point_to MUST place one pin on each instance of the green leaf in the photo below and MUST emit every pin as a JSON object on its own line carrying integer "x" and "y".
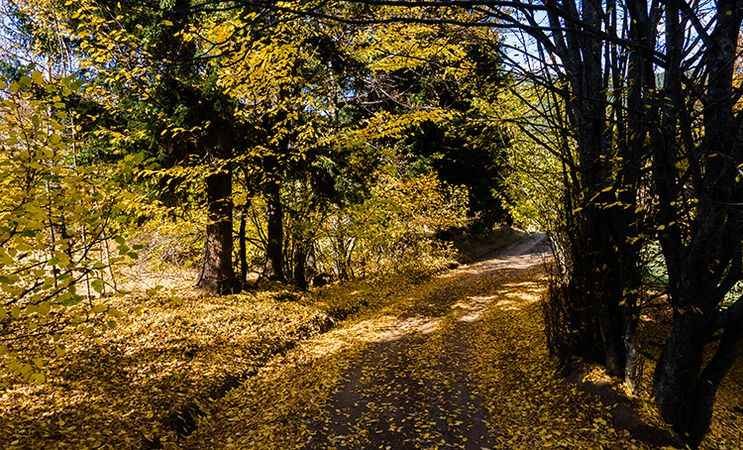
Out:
{"x": 98, "y": 285}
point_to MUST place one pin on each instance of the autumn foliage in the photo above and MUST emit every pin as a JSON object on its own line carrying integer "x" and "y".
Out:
{"x": 220, "y": 220}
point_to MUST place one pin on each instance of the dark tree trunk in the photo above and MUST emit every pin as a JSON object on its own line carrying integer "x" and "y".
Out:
{"x": 676, "y": 376}
{"x": 243, "y": 251}
{"x": 591, "y": 311}
{"x": 217, "y": 274}
{"x": 634, "y": 363}
{"x": 704, "y": 262}
{"x": 712, "y": 375}
{"x": 275, "y": 218}
{"x": 685, "y": 389}
{"x": 593, "y": 303}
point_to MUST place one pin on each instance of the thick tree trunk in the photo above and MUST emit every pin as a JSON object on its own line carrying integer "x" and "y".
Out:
{"x": 678, "y": 368}
{"x": 710, "y": 379}
{"x": 704, "y": 267}
{"x": 275, "y": 218}
{"x": 586, "y": 320}
{"x": 635, "y": 364}
{"x": 217, "y": 274}
{"x": 598, "y": 324}
{"x": 590, "y": 306}
{"x": 684, "y": 388}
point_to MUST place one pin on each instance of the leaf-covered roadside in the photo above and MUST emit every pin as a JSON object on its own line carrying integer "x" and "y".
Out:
{"x": 131, "y": 385}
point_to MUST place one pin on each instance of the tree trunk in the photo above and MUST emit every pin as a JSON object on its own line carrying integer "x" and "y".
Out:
{"x": 703, "y": 267}
{"x": 710, "y": 379}
{"x": 635, "y": 364}
{"x": 217, "y": 274}
{"x": 242, "y": 251}
{"x": 275, "y": 218}
{"x": 592, "y": 306}
{"x": 593, "y": 303}
{"x": 300, "y": 261}
{"x": 676, "y": 376}
{"x": 685, "y": 389}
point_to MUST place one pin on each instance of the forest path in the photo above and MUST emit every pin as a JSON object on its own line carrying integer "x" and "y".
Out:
{"x": 458, "y": 361}
{"x": 413, "y": 388}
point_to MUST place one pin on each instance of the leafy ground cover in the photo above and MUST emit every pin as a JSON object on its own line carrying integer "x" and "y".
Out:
{"x": 455, "y": 361}
{"x": 144, "y": 381}
{"x": 127, "y": 385}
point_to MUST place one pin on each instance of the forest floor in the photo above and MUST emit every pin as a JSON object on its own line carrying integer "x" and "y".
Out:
{"x": 454, "y": 361}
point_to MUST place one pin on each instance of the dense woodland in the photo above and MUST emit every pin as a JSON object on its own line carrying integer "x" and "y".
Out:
{"x": 190, "y": 189}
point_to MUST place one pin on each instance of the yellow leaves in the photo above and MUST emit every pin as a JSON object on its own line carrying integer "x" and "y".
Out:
{"x": 37, "y": 77}
{"x": 150, "y": 364}
{"x": 36, "y": 378}
{"x": 62, "y": 259}
{"x": 395, "y": 375}
{"x": 5, "y": 258}
{"x": 394, "y": 47}
{"x": 52, "y": 218}
{"x": 42, "y": 308}
{"x": 265, "y": 73}
{"x": 665, "y": 226}
{"x": 387, "y": 125}
{"x": 59, "y": 351}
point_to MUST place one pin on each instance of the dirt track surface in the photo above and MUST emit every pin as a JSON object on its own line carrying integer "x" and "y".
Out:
{"x": 458, "y": 361}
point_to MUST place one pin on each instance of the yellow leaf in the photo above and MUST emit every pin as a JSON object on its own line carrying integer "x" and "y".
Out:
{"x": 37, "y": 77}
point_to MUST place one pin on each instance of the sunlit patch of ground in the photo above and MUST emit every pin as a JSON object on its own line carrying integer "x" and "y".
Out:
{"x": 530, "y": 405}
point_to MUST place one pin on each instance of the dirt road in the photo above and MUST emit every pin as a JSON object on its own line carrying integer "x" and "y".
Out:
{"x": 456, "y": 362}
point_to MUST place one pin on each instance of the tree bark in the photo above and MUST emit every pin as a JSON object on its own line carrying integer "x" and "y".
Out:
{"x": 275, "y": 219}
{"x": 593, "y": 300}
{"x": 712, "y": 375}
{"x": 217, "y": 274}
{"x": 242, "y": 250}
{"x": 684, "y": 392}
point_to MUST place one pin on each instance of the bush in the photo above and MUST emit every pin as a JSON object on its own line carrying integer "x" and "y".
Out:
{"x": 394, "y": 229}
